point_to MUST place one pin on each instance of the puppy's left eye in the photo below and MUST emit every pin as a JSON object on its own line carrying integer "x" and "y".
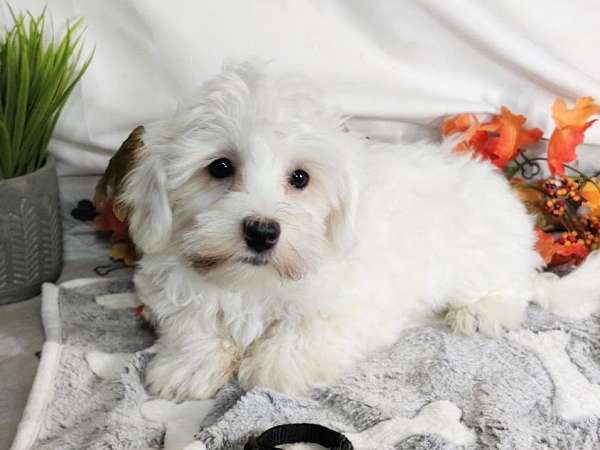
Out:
{"x": 221, "y": 168}
{"x": 299, "y": 179}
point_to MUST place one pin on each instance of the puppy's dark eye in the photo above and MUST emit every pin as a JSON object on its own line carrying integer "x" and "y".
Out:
{"x": 299, "y": 179}
{"x": 221, "y": 168}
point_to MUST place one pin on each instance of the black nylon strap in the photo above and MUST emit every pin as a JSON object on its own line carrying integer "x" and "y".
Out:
{"x": 296, "y": 433}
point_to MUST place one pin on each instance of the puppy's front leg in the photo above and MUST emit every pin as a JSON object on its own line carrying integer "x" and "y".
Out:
{"x": 295, "y": 356}
{"x": 191, "y": 365}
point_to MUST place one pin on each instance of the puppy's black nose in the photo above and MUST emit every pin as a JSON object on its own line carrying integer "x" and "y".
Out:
{"x": 261, "y": 234}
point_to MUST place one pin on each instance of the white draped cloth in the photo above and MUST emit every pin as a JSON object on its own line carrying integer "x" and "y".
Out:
{"x": 394, "y": 66}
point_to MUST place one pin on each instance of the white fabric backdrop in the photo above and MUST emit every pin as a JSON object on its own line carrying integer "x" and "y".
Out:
{"x": 389, "y": 63}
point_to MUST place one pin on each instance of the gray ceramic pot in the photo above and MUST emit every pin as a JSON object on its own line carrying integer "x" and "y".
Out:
{"x": 30, "y": 233}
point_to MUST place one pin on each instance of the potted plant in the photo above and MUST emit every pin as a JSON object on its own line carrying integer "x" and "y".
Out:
{"x": 37, "y": 75}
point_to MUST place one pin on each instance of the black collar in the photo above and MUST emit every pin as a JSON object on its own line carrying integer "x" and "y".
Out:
{"x": 296, "y": 433}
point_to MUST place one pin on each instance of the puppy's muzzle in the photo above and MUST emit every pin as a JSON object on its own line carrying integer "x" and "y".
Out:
{"x": 260, "y": 234}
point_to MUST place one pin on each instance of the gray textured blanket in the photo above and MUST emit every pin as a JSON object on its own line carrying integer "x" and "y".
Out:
{"x": 536, "y": 388}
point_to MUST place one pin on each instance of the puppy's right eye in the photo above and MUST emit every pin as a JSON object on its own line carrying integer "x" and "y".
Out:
{"x": 221, "y": 168}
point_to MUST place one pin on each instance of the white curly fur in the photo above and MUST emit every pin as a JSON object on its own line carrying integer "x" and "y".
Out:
{"x": 384, "y": 237}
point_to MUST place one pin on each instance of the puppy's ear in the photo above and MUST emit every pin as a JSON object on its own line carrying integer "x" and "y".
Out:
{"x": 343, "y": 217}
{"x": 145, "y": 195}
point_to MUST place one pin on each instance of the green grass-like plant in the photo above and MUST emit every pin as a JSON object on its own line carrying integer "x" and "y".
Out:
{"x": 37, "y": 75}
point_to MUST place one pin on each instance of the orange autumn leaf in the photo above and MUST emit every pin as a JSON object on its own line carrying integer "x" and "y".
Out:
{"x": 569, "y": 253}
{"x": 562, "y": 145}
{"x": 555, "y": 253}
{"x": 569, "y": 132}
{"x": 545, "y": 245}
{"x": 591, "y": 193}
{"x": 478, "y": 143}
{"x": 585, "y": 107}
{"x": 457, "y": 124}
{"x": 468, "y": 124}
{"x": 511, "y": 137}
{"x": 498, "y": 140}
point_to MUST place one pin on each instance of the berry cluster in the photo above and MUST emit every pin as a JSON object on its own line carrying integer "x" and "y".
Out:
{"x": 559, "y": 192}
{"x": 569, "y": 238}
{"x": 591, "y": 231}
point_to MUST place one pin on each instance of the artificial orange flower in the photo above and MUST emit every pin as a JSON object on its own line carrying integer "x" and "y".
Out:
{"x": 591, "y": 193}
{"x": 569, "y": 132}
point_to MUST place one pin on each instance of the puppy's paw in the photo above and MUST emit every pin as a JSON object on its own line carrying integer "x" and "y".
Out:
{"x": 490, "y": 316}
{"x": 277, "y": 375}
{"x": 180, "y": 377}
{"x": 291, "y": 372}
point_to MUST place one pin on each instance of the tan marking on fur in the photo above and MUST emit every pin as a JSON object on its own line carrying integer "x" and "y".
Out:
{"x": 118, "y": 168}
{"x": 205, "y": 263}
{"x": 292, "y": 268}
{"x": 236, "y": 355}
{"x": 287, "y": 269}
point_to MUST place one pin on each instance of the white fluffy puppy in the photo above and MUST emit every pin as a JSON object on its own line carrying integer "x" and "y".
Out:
{"x": 279, "y": 248}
